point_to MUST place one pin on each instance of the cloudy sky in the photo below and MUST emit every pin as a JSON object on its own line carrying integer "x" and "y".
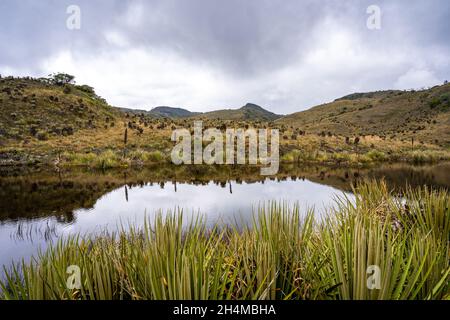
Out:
{"x": 285, "y": 55}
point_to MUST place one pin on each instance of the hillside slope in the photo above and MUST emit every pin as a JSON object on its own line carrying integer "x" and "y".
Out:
{"x": 249, "y": 112}
{"x": 173, "y": 113}
{"x": 419, "y": 115}
{"x": 33, "y": 108}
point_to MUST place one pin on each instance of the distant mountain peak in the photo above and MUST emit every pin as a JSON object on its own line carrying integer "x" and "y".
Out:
{"x": 166, "y": 108}
{"x": 250, "y": 111}
{"x": 253, "y": 107}
{"x": 171, "y": 112}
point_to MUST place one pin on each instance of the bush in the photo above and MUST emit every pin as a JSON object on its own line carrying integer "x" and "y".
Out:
{"x": 79, "y": 159}
{"x": 42, "y": 135}
{"x": 376, "y": 155}
{"x": 67, "y": 89}
{"x": 434, "y": 103}
{"x": 138, "y": 155}
{"x": 428, "y": 156}
{"x": 106, "y": 160}
{"x": 155, "y": 156}
{"x": 87, "y": 89}
{"x": 291, "y": 156}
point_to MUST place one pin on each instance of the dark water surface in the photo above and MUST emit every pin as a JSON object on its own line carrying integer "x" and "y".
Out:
{"x": 38, "y": 207}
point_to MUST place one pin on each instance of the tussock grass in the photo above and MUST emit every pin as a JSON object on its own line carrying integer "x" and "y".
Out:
{"x": 284, "y": 254}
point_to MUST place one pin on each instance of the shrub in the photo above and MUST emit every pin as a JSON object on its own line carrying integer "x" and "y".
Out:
{"x": 33, "y": 130}
{"x": 67, "y": 89}
{"x": 79, "y": 159}
{"x": 291, "y": 156}
{"x": 425, "y": 156}
{"x": 138, "y": 155}
{"x": 42, "y": 135}
{"x": 376, "y": 155}
{"x": 155, "y": 156}
{"x": 107, "y": 159}
{"x": 434, "y": 102}
{"x": 85, "y": 88}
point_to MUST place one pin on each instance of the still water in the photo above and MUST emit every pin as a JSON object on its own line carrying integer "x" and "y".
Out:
{"x": 40, "y": 207}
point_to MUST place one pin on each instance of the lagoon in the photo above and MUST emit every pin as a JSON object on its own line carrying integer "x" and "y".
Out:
{"x": 40, "y": 207}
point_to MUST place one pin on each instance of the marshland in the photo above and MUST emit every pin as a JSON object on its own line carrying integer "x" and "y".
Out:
{"x": 168, "y": 232}
{"x": 224, "y": 150}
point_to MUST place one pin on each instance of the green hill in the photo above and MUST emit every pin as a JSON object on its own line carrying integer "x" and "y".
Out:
{"x": 39, "y": 108}
{"x": 420, "y": 115}
{"x": 249, "y": 112}
{"x": 173, "y": 113}
{"x": 138, "y": 112}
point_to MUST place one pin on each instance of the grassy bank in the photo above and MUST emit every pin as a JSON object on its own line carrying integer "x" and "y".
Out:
{"x": 135, "y": 158}
{"x": 283, "y": 255}
{"x": 100, "y": 147}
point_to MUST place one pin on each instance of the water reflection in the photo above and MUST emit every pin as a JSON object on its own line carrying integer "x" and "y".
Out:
{"x": 39, "y": 207}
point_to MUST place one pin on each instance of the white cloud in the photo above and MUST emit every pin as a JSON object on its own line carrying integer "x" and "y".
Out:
{"x": 416, "y": 79}
{"x": 116, "y": 38}
{"x": 141, "y": 78}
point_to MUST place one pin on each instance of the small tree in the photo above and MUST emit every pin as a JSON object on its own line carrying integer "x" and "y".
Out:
{"x": 87, "y": 89}
{"x": 61, "y": 79}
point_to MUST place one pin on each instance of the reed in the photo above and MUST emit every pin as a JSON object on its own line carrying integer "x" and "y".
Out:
{"x": 283, "y": 254}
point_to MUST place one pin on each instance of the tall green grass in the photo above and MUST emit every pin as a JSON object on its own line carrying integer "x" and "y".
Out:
{"x": 283, "y": 254}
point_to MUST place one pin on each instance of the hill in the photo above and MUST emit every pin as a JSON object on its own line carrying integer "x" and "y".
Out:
{"x": 49, "y": 120}
{"x": 173, "y": 113}
{"x": 249, "y": 112}
{"x": 137, "y": 112}
{"x": 420, "y": 115}
{"x": 39, "y": 108}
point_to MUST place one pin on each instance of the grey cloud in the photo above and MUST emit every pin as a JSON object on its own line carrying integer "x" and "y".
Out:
{"x": 246, "y": 41}
{"x": 32, "y": 30}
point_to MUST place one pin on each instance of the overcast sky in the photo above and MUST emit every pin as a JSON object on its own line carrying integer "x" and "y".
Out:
{"x": 204, "y": 54}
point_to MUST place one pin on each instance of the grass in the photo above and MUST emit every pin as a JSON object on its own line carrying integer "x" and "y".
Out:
{"x": 284, "y": 254}
{"x": 307, "y": 149}
{"x": 154, "y": 145}
{"x": 312, "y": 148}
{"x": 108, "y": 159}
